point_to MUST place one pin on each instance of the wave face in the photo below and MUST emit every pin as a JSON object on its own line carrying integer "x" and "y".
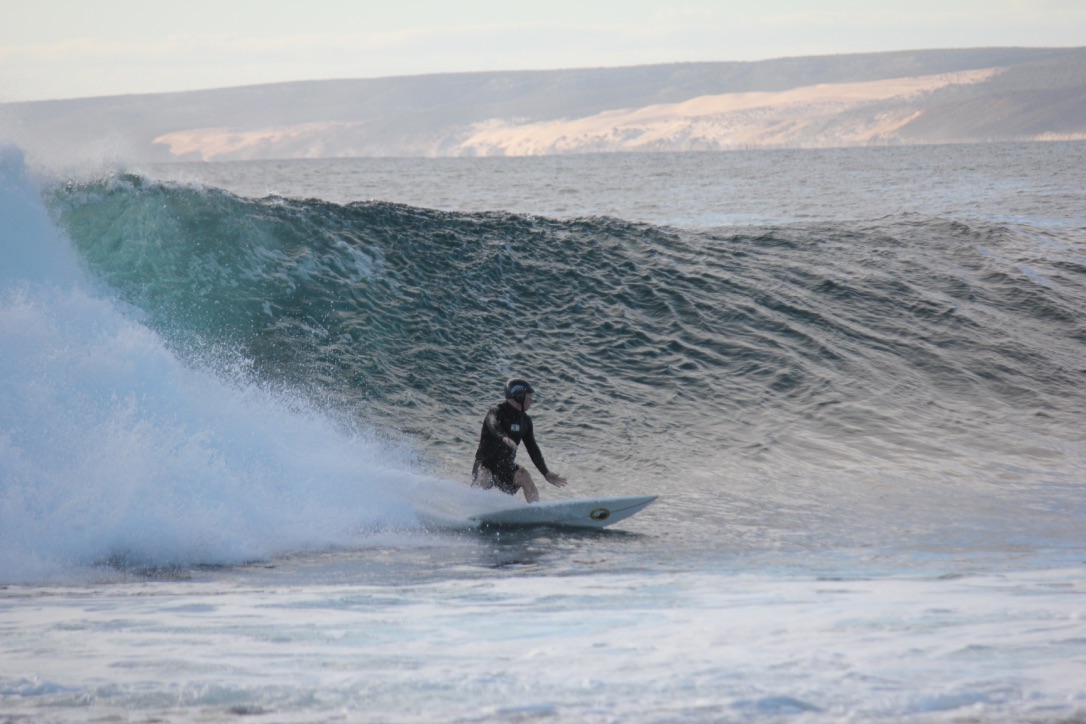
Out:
{"x": 908, "y": 336}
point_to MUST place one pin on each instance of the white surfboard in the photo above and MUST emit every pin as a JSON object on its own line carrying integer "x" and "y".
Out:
{"x": 579, "y": 513}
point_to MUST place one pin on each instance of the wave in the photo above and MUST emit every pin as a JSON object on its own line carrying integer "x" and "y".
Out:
{"x": 895, "y": 325}
{"x": 205, "y": 378}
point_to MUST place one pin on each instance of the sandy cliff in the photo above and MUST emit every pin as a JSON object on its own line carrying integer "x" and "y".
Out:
{"x": 927, "y": 96}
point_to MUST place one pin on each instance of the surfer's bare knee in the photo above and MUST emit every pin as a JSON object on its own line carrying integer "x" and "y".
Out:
{"x": 483, "y": 479}
{"x": 523, "y": 480}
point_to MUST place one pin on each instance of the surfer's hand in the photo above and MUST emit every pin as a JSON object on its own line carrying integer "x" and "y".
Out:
{"x": 509, "y": 441}
{"x": 556, "y": 480}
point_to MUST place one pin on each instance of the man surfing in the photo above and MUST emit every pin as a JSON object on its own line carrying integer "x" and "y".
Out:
{"x": 505, "y": 426}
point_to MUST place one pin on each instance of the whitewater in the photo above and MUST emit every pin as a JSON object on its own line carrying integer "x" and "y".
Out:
{"x": 234, "y": 396}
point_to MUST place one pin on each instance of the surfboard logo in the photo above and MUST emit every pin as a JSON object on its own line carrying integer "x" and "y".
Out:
{"x": 600, "y": 514}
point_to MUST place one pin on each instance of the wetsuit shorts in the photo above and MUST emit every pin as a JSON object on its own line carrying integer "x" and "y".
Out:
{"x": 501, "y": 475}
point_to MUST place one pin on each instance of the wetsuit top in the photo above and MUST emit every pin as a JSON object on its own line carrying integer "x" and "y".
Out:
{"x": 504, "y": 420}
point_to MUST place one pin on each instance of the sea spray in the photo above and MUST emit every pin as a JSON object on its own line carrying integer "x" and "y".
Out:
{"x": 33, "y": 251}
{"x": 113, "y": 450}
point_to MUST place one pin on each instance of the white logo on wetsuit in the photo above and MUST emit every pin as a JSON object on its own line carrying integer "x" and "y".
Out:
{"x": 514, "y": 428}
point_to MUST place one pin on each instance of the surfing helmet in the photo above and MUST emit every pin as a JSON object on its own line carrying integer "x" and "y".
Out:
{"x": 516, "y": 390}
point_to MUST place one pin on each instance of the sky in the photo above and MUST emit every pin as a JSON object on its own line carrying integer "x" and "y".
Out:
{"x": 79, "y": 48}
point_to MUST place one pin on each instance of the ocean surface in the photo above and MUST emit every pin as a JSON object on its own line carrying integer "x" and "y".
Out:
{"x": 234, "y": 396}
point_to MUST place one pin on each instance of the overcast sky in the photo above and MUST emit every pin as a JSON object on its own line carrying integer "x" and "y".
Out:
{"x": 76, "y": 48}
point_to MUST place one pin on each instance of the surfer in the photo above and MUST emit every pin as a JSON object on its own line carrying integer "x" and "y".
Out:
{"x": 505, "y": 426}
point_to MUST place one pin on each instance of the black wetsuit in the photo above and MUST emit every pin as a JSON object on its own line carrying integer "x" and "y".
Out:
{"x": 504, "y": 420}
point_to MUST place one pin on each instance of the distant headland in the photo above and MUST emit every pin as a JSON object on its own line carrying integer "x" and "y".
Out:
{"x": 894, "y": 98}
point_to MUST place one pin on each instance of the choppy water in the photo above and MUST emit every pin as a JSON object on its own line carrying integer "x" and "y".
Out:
{"x": 855, "y": 378}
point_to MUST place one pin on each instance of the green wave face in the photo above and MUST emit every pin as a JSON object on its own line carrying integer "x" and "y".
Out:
{"x": 648, "y": 344}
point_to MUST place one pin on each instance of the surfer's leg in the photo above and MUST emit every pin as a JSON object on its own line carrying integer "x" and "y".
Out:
{"x": 523, "y": 480}
{"x": 482, "y": 478}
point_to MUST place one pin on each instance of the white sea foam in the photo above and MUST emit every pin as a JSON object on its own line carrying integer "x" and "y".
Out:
{"x": 662, "y": 647}
{"x": 112, "y": 449}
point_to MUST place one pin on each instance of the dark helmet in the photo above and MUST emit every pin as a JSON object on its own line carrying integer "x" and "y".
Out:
{"x": 517, "y": 389}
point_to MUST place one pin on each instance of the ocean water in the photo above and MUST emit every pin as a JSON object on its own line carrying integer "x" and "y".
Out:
{"x": 231, "y": 395}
